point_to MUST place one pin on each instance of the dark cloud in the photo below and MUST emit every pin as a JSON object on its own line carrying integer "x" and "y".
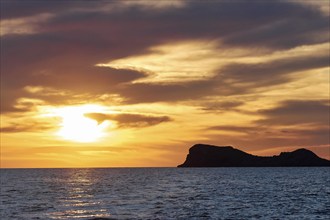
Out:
{"x": 284, "y": 33}
{"x": 256, "y": 137}
{"x": 127, "y": 120}
{"x": 145, "y": 92}
{"x": 223, "y": 106}
{"x": 240, "y": 129}
{"x": 75, "y": 81}
{"x": 63, "y": 52}
{"x": 77, "y": 149}
{"x": 25, "y": 8}
{"x": 312, "y": 117}
{"x": 26, "y": 127}
{"x": 291, "y": 123}
{"x": 271, "y": 131}
{"x": 275, "y": 24}
{"x": 307, "y": 132}
{"x": 295, "y": 112}
{"x": 273, "y": 72}
{"x": 233, "y": 79}
{"x": 268, "y": 142}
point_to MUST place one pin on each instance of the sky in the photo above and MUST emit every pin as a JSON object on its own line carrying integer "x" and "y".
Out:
{"x": 137, "y": 83}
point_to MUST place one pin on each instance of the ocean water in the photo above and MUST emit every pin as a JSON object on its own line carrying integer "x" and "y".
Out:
{"x": 166, "y": 193}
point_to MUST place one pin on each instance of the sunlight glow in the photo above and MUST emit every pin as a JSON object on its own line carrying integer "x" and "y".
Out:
{"x": 76, "y": 127}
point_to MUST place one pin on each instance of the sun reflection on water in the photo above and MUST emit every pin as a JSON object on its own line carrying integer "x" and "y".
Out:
{"x": 78, "y": 200}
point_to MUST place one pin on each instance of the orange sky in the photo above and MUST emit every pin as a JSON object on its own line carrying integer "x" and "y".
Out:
{"x": 136, "y": 83}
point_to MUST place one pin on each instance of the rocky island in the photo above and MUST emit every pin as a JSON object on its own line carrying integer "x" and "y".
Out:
{"x": 202, "y": 155}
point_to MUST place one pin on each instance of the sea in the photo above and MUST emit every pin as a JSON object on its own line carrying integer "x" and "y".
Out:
{"x": 166, "y": 193}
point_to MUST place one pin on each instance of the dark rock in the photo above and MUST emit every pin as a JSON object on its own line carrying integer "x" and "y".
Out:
{"x": 201, "y": 155}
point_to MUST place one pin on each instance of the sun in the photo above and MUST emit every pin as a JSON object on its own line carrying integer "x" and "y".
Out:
{"x": 75, "y": 126}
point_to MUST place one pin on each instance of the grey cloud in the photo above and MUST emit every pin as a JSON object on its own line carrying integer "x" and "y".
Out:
{"x": 233, "y": 79}
{"x": 293, "y": 122}
{"x": 283, "y": 33}
{"x": 127, "y": 120}
{"x": 64, "y": 52}
{"x": 274, "y": 72}
{"x": 296, "y": 112}
{"x": 240, "y": 129}
{"x": 257, "y": 137}
{"x": 29, "y": 127}
{"x": 24, "y": 8}
{"x": 259, "y": 142}
{"x": 256, "y": 129}
{"x": 79, "y": 80}
{"x": 307, "y": 132}
{"x": 218, "y": 106}
{"x": 144, "y": 92}
{"x": 243, "y": 23}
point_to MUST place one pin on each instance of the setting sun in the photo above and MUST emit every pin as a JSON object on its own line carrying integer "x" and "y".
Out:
{"x": 77, "y": 127}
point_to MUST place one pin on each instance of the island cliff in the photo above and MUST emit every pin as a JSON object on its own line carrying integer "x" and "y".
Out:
{"x": 201, "y": 155}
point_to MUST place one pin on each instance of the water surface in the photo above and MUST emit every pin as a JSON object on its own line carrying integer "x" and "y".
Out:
{"x": 166, "y": 193}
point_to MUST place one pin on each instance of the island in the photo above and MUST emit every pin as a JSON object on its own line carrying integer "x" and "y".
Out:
{"x": 203, "y": 155}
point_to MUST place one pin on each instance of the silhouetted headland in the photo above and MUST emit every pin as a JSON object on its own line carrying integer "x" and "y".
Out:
{"x": 201, "y": 155}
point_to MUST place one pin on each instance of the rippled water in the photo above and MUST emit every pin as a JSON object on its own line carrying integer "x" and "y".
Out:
{"x": 166, "y": 193}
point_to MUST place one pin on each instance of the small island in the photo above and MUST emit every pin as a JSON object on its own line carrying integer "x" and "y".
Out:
{"x": 202, "y": 155}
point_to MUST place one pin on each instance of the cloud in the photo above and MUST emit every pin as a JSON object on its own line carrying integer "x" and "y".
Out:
{"x": 232, "y": 79}
{"x": 64, "y": 50}
{"x": 218, "y": 106}
{"x": 145, "y": 92}
{"x": 281, "y": 33}
{"x": 290, "y": 123}
{"x": 20, "y": 8}
{"x": 256, "y": 137}
{"x": 127, "y": 120}
{"x": 307, "y": 132}
{"x": 271, "y": 131}
{"x": 26, "y": 127}
{"x": 57, "y": 83}
{"x": 233, "y": 128}
{"x": 272, "y": 72}
{"x": 297, "y": 112}
{"x": 291, "y": 117}
{"x": 243, "y": 23}
{"x": 26, "y": 25}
